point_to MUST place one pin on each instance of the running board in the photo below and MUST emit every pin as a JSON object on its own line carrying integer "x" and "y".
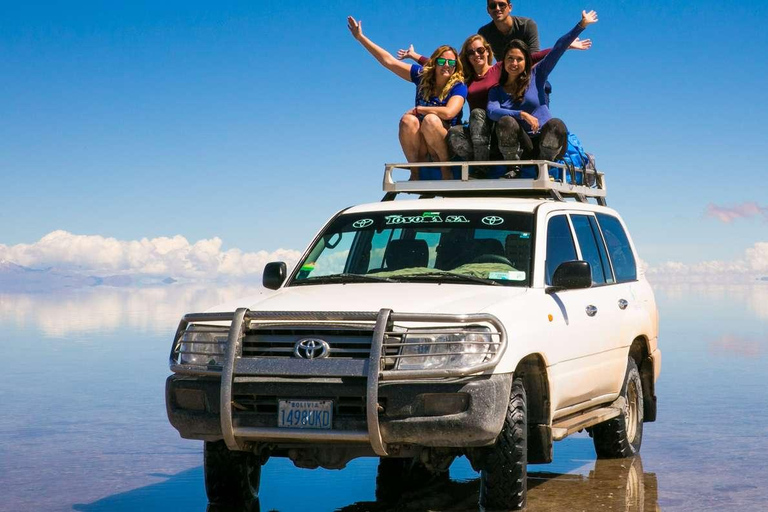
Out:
{"x": 564, "y": 427}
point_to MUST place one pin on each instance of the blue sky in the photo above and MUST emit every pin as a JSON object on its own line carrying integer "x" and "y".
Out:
{"x": 255, "y": 121}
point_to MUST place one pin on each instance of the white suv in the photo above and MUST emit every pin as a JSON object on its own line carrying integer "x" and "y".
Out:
{"x": 486, "y": 318}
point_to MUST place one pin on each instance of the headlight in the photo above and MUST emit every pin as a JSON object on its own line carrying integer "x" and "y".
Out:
{"x": 203, "y": 345}
{"x": 456, "y": 348}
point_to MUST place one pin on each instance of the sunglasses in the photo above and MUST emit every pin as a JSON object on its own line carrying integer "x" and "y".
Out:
{"x": 479, "y": 51}
{"x": 497, "y": 5}
{"x": 441, "y": 61}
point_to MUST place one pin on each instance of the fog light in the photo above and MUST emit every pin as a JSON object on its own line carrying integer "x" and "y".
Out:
{"x": 190, "y": 399}
{"x": 442, "y": 404}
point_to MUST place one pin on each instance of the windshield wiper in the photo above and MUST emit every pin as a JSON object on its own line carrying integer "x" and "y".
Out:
{"x": 448, "y": 276}
{"x": 343, "y": 278}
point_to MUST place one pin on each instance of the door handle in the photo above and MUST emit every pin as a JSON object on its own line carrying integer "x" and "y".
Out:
{"x": 623, "y": 304}
{"x": 591, "y": 310}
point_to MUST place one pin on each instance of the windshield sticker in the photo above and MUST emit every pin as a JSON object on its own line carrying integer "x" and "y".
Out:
{"x": 425, "y": 218}
{"x": 492, "y": 220}
{"x": 309, "y": 267}
{"x": 362, "y": 223}
{"x": 511, "y": 275}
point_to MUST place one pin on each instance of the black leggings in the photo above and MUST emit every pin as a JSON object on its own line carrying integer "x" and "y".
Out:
{"x": 515, "y": 144}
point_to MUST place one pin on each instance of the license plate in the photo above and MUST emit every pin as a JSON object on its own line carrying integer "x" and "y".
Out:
{"x": 305, "y": 414}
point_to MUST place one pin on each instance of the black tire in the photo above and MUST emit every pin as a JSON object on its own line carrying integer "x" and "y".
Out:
{"x": 622, "y": 436}
{"x": 396, "y": 476}
{"x": 504, "y": 478}
{"x": 230, "y": 477}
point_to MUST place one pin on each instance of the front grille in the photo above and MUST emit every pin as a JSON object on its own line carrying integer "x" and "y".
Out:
{"x": 351, "y": 343}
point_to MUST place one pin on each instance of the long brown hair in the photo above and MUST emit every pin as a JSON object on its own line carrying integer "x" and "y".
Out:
{"x": 523, "y": 80}
{"x": 427, "y": 87}
{"x": 470, "y": 74}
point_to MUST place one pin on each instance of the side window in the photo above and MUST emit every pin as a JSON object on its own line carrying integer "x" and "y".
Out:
{"x": 560, "y": 246}
{"x": 589, "y": 241}
{"x": 624, "y": 264}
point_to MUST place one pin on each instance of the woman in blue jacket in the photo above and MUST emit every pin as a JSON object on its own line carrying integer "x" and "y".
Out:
{"x": 524, "y": 126}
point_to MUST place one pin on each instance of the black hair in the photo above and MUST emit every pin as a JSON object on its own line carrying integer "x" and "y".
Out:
{"x": 524, "y": 78}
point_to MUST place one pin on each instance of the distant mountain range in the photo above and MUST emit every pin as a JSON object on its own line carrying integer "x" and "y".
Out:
{"x": 14, "y": 277}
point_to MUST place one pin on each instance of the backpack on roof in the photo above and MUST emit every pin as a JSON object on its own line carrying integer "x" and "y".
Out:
{"x": 577, "y": 162}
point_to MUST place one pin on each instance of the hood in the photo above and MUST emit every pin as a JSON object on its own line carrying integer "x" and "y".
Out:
{"x": 400, "y": 297}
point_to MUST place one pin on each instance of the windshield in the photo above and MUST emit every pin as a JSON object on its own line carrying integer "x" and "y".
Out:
{"x": 461, "y": 246}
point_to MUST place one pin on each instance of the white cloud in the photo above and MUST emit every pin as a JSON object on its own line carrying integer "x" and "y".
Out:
{"x": 753, "y": 264}
{"x": 174, "y": 256}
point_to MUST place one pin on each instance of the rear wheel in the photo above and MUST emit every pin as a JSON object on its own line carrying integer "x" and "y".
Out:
{"x": 230, "y": 477}
{"x": 621, "y": 436}
{"x": 504, "y": 478}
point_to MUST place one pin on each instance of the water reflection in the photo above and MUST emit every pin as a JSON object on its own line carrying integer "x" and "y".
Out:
{"x": 105, "y": 309}
{"x": 619, "y": 484}
{"x": 84, "y": 426}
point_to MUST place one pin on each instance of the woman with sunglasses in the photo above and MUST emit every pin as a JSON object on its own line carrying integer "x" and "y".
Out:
{"x": 524, "y": 125}
{"x": 473, "y": 141}
{"x": 440, "y": 95}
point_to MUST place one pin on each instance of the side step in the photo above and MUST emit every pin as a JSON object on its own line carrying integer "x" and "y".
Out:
{"x": 564, "y": 427}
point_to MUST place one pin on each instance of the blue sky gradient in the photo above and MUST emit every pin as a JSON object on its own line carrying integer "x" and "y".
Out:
{"x": 255, "y": 121}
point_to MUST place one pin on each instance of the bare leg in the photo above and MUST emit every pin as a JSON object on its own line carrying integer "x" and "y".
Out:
{"x": 434, "y": 134}
{"x": 412, "y": 142}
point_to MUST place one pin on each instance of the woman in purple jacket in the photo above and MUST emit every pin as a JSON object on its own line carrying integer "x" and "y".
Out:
{"x": 524, "y": 126}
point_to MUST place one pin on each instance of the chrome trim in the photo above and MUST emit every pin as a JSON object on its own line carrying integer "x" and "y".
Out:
{"x": 374, "y": 371}
{"x": 233, "y": 342}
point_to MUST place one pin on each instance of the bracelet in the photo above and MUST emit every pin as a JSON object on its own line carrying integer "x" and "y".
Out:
{"x": 416, "y": 110}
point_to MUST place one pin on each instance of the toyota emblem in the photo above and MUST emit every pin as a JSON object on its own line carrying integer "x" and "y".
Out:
{"x": 311, "y": 348}
{"x": 492, "y": 220}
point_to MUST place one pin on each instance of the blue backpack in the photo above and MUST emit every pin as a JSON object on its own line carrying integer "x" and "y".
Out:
{"x": 576, "y": 160}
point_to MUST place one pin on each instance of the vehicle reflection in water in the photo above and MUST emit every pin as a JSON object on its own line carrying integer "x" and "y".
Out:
{"x": 617, "y": 484}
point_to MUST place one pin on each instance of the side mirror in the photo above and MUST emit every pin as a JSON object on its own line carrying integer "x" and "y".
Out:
{"x": 571, "y": 275}
{"x": 274, "y": 275}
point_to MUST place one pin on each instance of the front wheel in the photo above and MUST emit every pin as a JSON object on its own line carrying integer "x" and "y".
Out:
{"x": 621, "y": 437}
{"x": 504, "y": 478}
{"x": 230, "y": 477}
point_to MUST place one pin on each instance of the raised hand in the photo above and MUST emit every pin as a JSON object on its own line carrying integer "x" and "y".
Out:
{"x": 581, "y": 44}
{"x": 588, "y": 18}
{"x": 406, "y": 54}
{"x": 355, "y": 27}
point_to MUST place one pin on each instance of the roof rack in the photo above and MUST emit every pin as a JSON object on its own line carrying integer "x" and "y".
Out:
{"x": 552, "y": 180}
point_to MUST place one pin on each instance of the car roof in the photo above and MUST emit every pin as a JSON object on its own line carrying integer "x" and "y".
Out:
{"x": 516, "y": 204}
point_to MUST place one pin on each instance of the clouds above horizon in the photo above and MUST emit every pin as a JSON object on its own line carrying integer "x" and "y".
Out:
{"x": 730, "y": 214}
{"x": 753, "y": 263}
{"x": 163, "y": 256}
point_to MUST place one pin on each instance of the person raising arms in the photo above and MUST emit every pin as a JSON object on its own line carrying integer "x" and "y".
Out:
{"x": 524, "y": 125}
{"x": 440, "y": 96}
{"x": 472, "y": 142}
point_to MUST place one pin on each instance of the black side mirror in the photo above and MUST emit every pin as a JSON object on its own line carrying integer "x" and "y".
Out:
{"x": 274, "y": 275}
{"x": 571, "y": 275}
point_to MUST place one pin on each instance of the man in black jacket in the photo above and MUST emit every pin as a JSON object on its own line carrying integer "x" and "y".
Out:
{"x": 506, "y": 27}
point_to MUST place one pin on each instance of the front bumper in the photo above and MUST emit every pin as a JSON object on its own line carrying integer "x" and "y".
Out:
{"x": 461, "y": 413}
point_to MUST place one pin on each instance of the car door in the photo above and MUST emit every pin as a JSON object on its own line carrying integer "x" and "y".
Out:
{"x": 582, "y": 319}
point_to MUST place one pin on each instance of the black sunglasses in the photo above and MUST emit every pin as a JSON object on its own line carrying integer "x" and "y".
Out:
{"x": 497, "y": 5}
{"x": 480, "y": 51}
{"x": 441, "y": 61}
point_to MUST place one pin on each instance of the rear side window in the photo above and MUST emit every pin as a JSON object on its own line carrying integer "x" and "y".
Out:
{"x": 560, "y": 246}
{"x": 592, "y": 249}
{"x": 624, "y": 265}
